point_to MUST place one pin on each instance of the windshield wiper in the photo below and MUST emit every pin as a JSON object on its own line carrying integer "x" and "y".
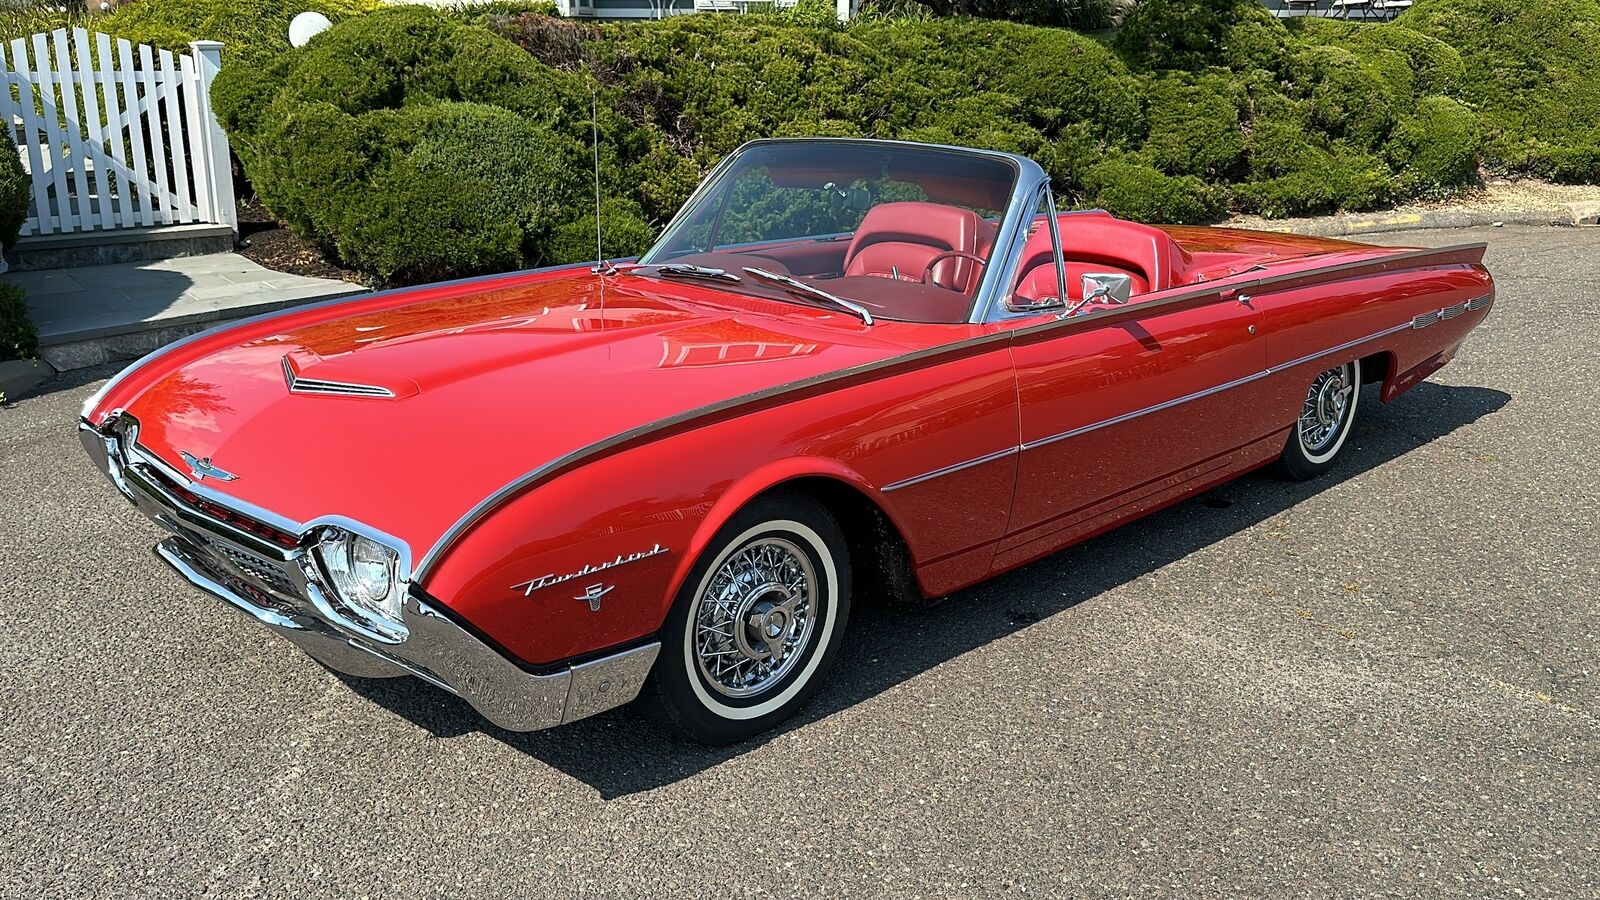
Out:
{"x": 797, "y": 286}
{"x": 685, "y": 270}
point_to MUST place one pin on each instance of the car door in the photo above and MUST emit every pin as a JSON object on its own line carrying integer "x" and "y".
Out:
{"x": 1122, "y": 407}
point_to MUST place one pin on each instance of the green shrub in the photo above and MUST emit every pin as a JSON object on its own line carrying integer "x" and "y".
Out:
{"x": 245, "y": 27}
{"x": 812, "y": 14}
{"x": 893, "y": 11}
{"x": 1435, "y": 66}
{"x": 1348, "y": 97}
{"x": 1436, "y": 147}
{"x": 21, "y": 18}
{"x": 16, "y": 190}
{"x": 1532, "y": 72}
{"x": 1194, "y": 34}
{"x": 626, "y": 233}
{"x": 1085, "y": 15}
{"x": 19, "y": 339}
{"x": 1194, "y": 126}
{"x": 1135, "y": 191}
{"x": 412, "y": 146}
{"x": 1296, "y": 172}
{"x": 399, "y": 124}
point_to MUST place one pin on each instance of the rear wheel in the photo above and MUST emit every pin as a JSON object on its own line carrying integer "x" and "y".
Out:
{"x": 1324, "y": 424}
{"x": 756, "y": 624}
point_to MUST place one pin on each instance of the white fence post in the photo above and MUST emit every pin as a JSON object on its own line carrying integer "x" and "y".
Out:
{"x": 208, "y": 58}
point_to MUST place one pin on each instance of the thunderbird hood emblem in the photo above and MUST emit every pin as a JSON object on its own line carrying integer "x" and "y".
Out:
{"x": 202, "y": 469}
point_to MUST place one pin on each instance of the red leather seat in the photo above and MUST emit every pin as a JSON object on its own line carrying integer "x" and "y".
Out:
{"x": 1096, "y": 242}
{"x": 900, "y": 239}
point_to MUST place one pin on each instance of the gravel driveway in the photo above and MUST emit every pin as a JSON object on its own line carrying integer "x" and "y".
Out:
{"x": 1380, "y": 683}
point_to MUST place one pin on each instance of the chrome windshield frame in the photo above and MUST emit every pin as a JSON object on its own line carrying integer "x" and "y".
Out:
{"x": 1015, "y": 218}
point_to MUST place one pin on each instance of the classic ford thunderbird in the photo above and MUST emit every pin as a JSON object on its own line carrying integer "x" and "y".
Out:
{"x": 846, "y": 367}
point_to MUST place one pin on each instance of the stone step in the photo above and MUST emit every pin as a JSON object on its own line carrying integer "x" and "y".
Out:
{"x": 98, "y": 248}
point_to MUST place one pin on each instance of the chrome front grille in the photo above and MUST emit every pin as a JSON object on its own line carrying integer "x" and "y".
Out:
{"x": 256, "y": 568}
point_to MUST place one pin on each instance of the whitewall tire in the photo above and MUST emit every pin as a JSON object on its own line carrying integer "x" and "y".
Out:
{"x": 1324, "y": 423}
{"x": 756, "y": 624}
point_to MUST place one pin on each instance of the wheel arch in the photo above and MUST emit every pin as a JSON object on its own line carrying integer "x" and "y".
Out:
{"x": 879, "y": 551}
{"x": 1378, "y": 368}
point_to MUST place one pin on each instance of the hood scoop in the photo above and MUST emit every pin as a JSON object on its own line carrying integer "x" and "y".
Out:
{"x": 306, "y": 373}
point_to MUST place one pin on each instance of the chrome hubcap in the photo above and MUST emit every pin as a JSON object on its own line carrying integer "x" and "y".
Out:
{"x": 1327, "y": 406}
{"x": 755, "y": 618}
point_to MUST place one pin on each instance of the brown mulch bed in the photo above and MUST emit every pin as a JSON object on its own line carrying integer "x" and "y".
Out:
{"x": 265, "y": 241}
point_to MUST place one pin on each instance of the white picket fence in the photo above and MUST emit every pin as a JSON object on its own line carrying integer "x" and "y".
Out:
{"x": 116, "y": 135}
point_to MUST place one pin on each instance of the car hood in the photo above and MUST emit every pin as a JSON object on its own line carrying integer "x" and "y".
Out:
{"x": 405, "y": 416}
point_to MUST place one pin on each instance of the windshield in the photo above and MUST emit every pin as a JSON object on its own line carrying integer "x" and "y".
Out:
{"x": 905, "y": 232}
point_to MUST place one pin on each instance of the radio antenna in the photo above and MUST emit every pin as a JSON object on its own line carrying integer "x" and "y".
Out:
{"x": 600, "y": 264}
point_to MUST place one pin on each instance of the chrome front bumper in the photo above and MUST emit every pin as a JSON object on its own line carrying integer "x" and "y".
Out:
{"x": 270, "y": 584}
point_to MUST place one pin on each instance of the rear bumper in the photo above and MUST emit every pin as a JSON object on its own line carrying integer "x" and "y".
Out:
{"x": 269, "y": 584}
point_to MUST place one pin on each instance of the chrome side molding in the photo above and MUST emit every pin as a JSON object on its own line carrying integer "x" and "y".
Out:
{"x": 1451, "y": 312}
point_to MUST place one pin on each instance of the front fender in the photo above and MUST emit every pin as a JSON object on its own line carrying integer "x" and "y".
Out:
{"x": 752, "y": 485}
{"x": 631, "y": 523}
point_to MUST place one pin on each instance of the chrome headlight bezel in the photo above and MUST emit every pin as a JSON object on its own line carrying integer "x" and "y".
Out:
{"x": 364, "y": 577}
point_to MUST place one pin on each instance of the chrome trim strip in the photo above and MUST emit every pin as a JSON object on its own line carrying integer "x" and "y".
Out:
{"x": 1309, "y": 357}
{"x": 1191, "y": 293}
{"x": 949, "y": 470}
{"x": 952, "y": 350}
{"x": 1127, "y": 416}
{"x": 1451, "y": 312}
{"x": 1197, "y": 395}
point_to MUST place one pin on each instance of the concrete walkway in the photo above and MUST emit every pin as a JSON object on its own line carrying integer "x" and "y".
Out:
{"x": 95, "y": 314}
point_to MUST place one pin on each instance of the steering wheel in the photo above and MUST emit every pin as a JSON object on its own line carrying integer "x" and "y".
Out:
{"x": 950, "y": 254}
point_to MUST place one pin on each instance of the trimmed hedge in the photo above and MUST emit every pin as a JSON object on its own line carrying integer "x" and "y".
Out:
{"x": 415, "y": 143}
{"x": 411, "y": 146}
{"x": 1532, "y": 73}
{"x": 244, "y": 27}
{"x": 1085, "y": 14}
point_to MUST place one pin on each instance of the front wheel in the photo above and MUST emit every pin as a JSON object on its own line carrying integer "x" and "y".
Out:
{"x": 1319, "y": 434}
{"x": 756, "y": 624}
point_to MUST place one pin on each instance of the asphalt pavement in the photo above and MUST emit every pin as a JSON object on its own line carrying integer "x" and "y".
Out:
{"x": 1382, "y": 683}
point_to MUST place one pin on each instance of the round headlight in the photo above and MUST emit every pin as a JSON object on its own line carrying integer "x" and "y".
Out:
{"x": 371, "y": 564}
{"x": 363, "y": 575}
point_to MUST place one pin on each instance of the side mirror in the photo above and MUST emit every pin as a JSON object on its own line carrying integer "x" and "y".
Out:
{"x": 1107, "y": 287}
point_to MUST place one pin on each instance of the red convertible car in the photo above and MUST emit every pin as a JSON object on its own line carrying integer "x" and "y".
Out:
{"x": 847, "y": 365}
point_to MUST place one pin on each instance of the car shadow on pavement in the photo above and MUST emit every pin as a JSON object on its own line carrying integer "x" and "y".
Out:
{"x": 620, "y": 752}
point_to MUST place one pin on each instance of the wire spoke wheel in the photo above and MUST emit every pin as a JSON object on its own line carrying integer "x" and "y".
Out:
{"x": 756, "y": 623}
{"x": 1328, "y": 405}
{"x": 755, "y": 618}
{"x": 1324, "y": 422}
